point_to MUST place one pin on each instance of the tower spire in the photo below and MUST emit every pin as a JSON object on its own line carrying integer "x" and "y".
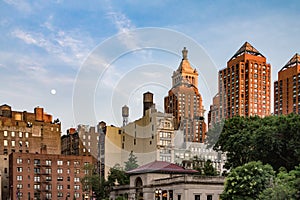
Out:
{"x": 184, "y": 53}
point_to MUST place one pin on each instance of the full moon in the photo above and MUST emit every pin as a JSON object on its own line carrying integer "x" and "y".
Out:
{"x": 53, "y": 91}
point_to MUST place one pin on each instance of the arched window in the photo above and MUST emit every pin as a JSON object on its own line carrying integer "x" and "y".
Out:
{"x": 139, "y": 188}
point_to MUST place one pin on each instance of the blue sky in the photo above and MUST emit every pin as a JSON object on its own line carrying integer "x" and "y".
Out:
{"x": 46, "y": 44}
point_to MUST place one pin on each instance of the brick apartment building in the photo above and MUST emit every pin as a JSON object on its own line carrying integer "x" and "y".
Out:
{"x": 25, "y": 132}
{"x": 47, "y": 176}
{"x": 287, "y": 88}
{"x": 244, "y": 86}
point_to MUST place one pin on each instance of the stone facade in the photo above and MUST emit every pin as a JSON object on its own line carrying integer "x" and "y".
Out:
{"x": 164, "y": 185}
{"x": 184, "y": 102}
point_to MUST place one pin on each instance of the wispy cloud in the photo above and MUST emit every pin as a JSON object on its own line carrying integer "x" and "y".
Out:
{"x": 120, "y": 20}
{"x": 21, "y": 5}
{"x": 68, "y": 46}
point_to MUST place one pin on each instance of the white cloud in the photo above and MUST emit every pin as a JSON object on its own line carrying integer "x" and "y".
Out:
{"x": 21, "y": 5}
{"x": 69, "y": 46}
{"x": 120, "y": 20}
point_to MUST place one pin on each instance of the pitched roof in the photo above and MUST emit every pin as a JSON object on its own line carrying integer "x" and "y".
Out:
{"x": 161, "y": 167}
{"x": 247, "y": 48}
{"x": 295, "y": 60}
{"x": 185, "y": 65}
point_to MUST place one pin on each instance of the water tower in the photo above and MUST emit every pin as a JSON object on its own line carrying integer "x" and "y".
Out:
{"x": 125, "y": 115}
{"x": 148, "y": 101}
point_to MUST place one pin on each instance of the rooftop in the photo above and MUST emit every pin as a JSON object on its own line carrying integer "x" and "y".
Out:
{"x": 247, "y": 48}
{"x": 161, "y": 167}
{"x": 295, "y": 60}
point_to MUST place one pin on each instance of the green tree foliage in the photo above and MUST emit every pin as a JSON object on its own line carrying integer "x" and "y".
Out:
{"x": 248, "y": 181}
{"x": 204, "y": 167}
{"x": 209, "y": 169}
{"x": 274, "y": 140}
{"x": 91, "y": 180}
{"x": 131, "y": 163}
{"x": 117, "y": 173}
{"x": 286, "y": 186}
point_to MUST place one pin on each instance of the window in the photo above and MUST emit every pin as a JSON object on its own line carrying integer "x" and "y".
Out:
{"x": 209, "y": 197}
{"x": 76, "y": 187}
{"x": 20, "y": 134}
{"x": 37, "y": 170}
{"x": 197, "y": 197}
{"x": 76, "y": 179}
{"x": 19, "y": 169}
{"x": 26, "y": 144}
{"x": 48, "y": 171}
{"x": 12, "y": 134}
{"x": 48, "y": 162}
{"x": 19, "y": 178}
{"x": 19, "y": 186}
{"x": 59, "y": 162}
{"x": 13, "y": 143}
{"x": 37, "y": 179}
{"x": 60, "y": 178}
{"x": 59, "y": 187}
{"x": 5, "y": 134}
{"x": 76, "y": 195}
{"x": 5, "y": 143}
{"x": 59, "y": 171}
{"x": 37, "y": 162}
{"x": 19, "y": 160}
{"x": 60, "y": 194}
{"x": 48, "y": 195}
{"x": 26, "y": 135}
{"x": 77, "y": 171}
{"x": 76, "y": 162}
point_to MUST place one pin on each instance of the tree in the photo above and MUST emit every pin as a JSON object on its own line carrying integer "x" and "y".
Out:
{"x": 131, "y": 163}
{"x": 209, "y": 169}
{"x": 117, "y": 173}
{"x": 248, "y": 181}
{"x": 204, "y": 167}
{"x": 273, "y": 140}
{"x": 91, "y": 180}
{"x": 285, "y": 186}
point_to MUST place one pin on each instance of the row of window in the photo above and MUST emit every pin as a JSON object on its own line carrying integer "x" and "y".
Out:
{"x": 49, "y": 162}
{"x": 13, "y": 134}
{"x": 13, "y": 143}
{"x": 48, "y": 178}
{"x": 49, "y": 195}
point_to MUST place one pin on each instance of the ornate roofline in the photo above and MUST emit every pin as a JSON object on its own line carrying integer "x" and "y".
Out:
{"x": 295, "y": 60}
{"x": 247, "y": 48}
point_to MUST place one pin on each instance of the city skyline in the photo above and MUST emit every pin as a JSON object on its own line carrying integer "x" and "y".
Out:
{"x": 45, "y": 44}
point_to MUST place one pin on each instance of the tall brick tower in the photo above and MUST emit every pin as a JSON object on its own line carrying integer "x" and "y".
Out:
{"x": 185, "y": 102}
{"x": 287, "y": 88}
{"x": 244, "y": 86}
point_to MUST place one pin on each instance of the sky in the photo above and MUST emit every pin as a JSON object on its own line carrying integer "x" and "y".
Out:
{"x": 83, "y": 60}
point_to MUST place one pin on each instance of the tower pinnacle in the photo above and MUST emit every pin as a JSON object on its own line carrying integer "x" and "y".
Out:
{"x": 184, "y": 53}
